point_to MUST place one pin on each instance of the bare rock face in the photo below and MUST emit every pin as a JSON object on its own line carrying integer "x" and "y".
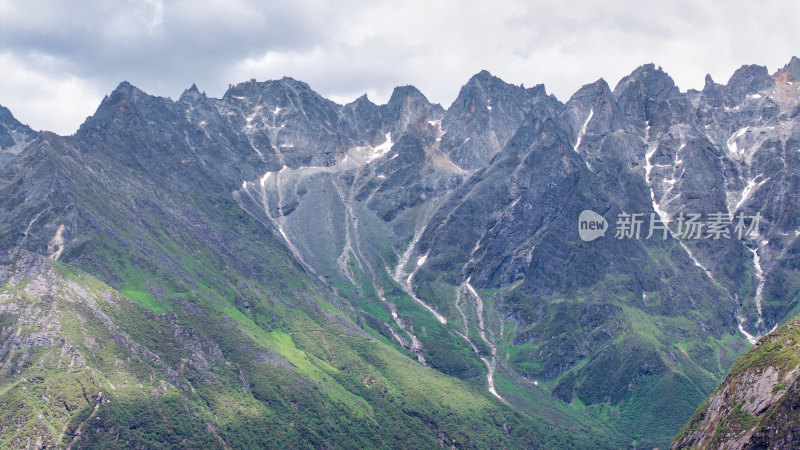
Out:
{"x": 756, "y": 404}
{"x": 14, "y": 136}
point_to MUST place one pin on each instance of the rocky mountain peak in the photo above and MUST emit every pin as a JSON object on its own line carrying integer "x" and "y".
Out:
{"x": 6, "y": 118}
{"x": 489, "y": 85}
{"x": 272, "y": 92}
{"x": 408, "y": 106}
{"x": 363, "y": 99}
{"x": 14, "y": 135}
{"x": 407, "y": 95}
{"x": 484, "y": 116}
{"x": 794, "y": 67}
{"x": 482, "y": 77}
{"x": 709, "y": 82}
{"x": 192, "y": 94}
{"x": 121, "y": 98}
{"x": 125, "y": 90}
{"x": 362, "y": 106}
{"x": 640, "y": 93}
{"x": 591, "y": 102}
{"x": 599, "y": 88}
{"x": 10, "y": 123}
{"x": 748, "y": 79}
{"x": 791, "y": 69}
{"x": 124, "y": 101}
{"x": 538, "y": 90}
{"x": 713, "y": 93}
{"x": 649, "y": 78}
{"x": 362, "y": 103}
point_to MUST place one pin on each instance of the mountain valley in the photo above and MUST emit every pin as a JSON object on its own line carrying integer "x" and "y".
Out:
{"x": 271, "y": 268}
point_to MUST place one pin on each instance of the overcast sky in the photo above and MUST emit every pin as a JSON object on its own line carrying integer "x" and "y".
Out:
{"x": 58, "y": 59}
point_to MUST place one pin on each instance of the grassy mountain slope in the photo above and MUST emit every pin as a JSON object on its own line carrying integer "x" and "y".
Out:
{"x": 84, "y": 364}
{"x": 756, "y": 405}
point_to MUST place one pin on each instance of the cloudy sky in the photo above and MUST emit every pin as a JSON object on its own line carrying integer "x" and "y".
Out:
{"x": 58, "y": 59}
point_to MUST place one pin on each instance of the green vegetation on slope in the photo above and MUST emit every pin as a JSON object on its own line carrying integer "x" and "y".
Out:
{"x": 755, "y": 405}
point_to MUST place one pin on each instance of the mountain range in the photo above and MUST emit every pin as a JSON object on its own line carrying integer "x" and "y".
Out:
{"x": 271, "y": 268}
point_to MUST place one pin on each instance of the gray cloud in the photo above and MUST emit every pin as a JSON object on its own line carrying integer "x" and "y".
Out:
{"x": 60, "y": 58}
